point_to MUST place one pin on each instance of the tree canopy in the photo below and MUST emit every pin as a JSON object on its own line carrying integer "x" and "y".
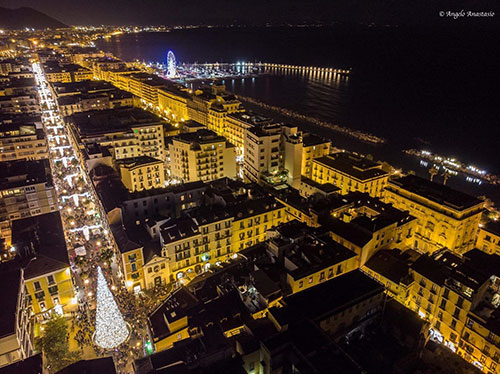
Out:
{"x": 54, "y": 343}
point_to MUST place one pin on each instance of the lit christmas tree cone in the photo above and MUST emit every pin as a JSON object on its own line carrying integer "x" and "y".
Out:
{"x": 111, "y": 330}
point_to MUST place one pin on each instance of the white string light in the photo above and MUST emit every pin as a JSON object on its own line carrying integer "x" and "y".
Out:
{"x": 111, "y": 330}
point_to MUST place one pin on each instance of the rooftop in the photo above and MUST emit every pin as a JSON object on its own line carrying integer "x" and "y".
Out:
{"x": 325, "y": 187}
{"x": 327, "y": 298}
{"x": 55, "y": 67}
{"x": 104, "y": 365}
{"x": 11, "y": 281}
{"x": 30, "y": 365}
{"x": 308, "y": 250}
{"x": 310, "y": 140}
{"x": 97, "y": 122}
{"x": 179, "y": 229}
{"x": 253, "y": 207}
{"x": 40, "y": 240}
{"x": 354, "y": 166}
{"x": 445, "y": 268}
{"x": 390, "y": 263}
{"x": 21, "y": 173}
{"x": 436, "y": 192}
{"x": 81, "y": 87}
{"x": 492, "y": 227}
{"x": 150, "y": 79}
{"x": 199, "y": 137}
{"x": 251, "y": 118}
{"x": 133, "y": 162}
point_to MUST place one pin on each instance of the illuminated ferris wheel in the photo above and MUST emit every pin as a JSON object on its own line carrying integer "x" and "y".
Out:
{"x": 171, "y": 65}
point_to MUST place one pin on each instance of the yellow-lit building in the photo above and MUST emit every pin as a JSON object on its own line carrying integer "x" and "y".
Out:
{"x": 488, "y": 239}
{"x": 67, "y": 73}
{"x": 391, "y": 267}
{"x": 47, "y": 276}
{"x": 350, "y": 173}
{"x": 444, "y": 290}
{"x": 203, "y": 105}
{"x": 142, "y": 173}
{"x": 146, "y": 86}
{"x": 445, "y": 217}
{"x": 480, "y": 343}
{"x": 127, "y": 132}
{"x": 26, "y": 190}
{"x": 201, "y": 155}
{"x": 174, "y": 103}
{"x": 193, "y": 245}
{"x": 49, "y": 285}
{"x": 365, "y": 225}
{"x": 131, "y": 259}
{"x": 238, "y": 123}
{"x": 19, "y": 141}
{"x": 253, "y": 218}
{"x": 310, "y": 256}
{"x": 313, "y": 147}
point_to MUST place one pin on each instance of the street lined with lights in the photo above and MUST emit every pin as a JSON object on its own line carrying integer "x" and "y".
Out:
{"x": 84, "y": 221}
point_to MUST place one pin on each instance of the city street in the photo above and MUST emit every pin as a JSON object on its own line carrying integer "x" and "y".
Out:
{"x": 88, "y": 237}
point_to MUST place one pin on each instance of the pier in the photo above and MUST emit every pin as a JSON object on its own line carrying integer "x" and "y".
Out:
{"x": 263, "y": 67}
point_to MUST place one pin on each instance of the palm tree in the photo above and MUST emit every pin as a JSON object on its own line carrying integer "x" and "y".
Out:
{"x": 445, "y": 175}
{"x": 433, "y": 171}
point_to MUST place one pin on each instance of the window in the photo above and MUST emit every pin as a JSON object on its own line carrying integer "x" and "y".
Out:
{"x": 493, "y": 366}
{"x": 460, "y": 302}
{"x": 443, "y": 304}
{"x": 301, "y": 284}
{"x": 446, "y": 293}
{"x": 470, "y": 323}
{"x": 310, "y": 279}
{"x": 53, "y": 290}
{"x": 437, "y": 325}
{"x": 440, "y": 316}
{"x": 134, "y": 267}
{"x": 453, "y": 324}
{"x": 50, "y": 279}
{"x": 40, "y": 295}
{"x": 150, "y": 270}
{"x": 37, "y": 286}
{"x": 496, "y": 356}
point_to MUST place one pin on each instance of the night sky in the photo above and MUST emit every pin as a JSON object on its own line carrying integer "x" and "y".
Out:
{"x": 421, "y": 12}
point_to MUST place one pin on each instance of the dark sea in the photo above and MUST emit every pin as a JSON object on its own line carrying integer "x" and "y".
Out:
{"x": 436, "y": 89}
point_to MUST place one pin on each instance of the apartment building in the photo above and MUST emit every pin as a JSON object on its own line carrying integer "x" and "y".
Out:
{"x": 445, "y": 217}
{"x": 350, "y": 173}
{"x": 26, "y": 189}
{"x": 142, "y": 173}
{"x": 201, "y": 155}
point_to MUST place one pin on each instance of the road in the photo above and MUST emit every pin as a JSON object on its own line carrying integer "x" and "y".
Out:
{"x": 86, "y": 228}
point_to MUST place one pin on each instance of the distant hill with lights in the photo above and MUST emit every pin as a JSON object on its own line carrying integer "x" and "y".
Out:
{"x": 20, "y": 18}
